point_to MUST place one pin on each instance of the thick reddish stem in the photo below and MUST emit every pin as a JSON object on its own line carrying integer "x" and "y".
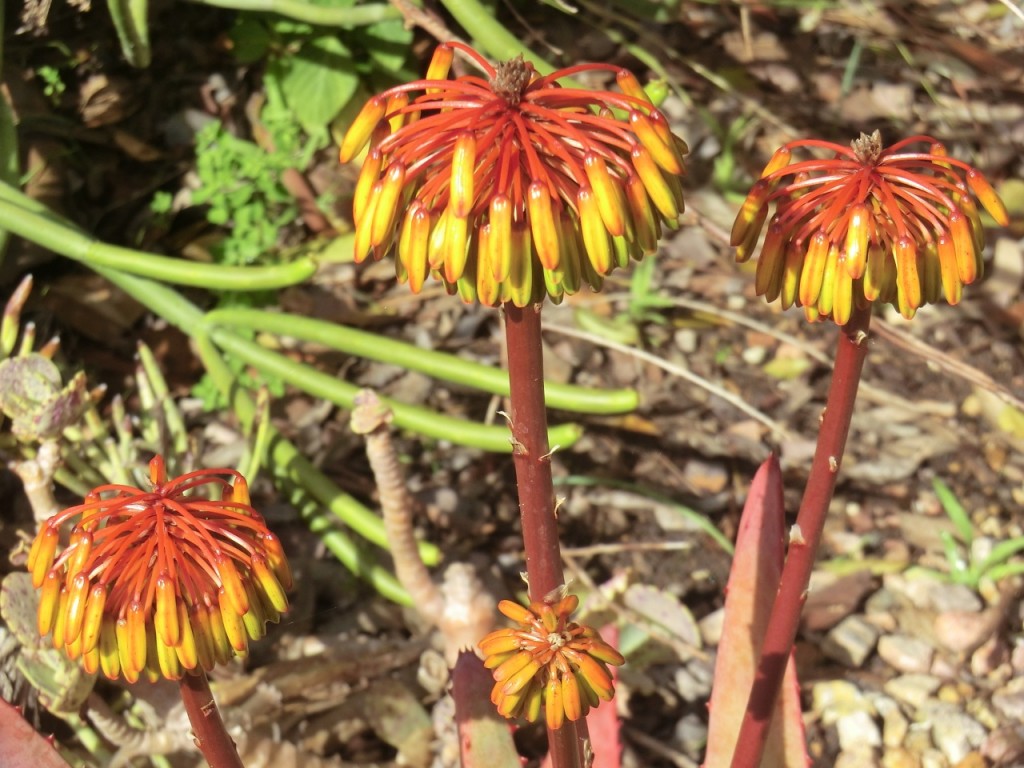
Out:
{"x": 529, "y": 423}
{"x": 531, "y": 453}
{"x": 210, "y": 734}
{"x": 804, "y": 540}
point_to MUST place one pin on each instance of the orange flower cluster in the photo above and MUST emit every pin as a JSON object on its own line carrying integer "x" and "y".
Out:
{"x": 515, "y": 186}
{"x": 548, "y": 661}
{"x": 159, "y": 582}
{"x": 867, "y": 224}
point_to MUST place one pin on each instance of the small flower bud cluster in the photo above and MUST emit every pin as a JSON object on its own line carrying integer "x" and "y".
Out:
{"x": 509, "y": 188}
{"x": 159, "y": 582}
{"x": 868, "y": 224}
{"x": 548, "y": 661}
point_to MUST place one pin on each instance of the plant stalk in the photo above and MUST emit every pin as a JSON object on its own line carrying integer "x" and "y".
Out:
{"x": 207, "y": 726}
{"x": 532, "y": 457}
{"x": 804, "y": 539}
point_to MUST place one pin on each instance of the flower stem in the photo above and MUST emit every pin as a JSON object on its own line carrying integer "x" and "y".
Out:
{"x": 210, "y": 734}
{"x": 804, "y": 539}
{"x": 532, "y": 457}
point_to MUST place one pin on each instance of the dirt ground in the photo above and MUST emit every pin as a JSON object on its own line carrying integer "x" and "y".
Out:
{"x": 734, "y": 379}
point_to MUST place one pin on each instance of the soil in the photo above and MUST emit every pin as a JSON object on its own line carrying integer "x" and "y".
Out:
{"x": 941, "y": 395}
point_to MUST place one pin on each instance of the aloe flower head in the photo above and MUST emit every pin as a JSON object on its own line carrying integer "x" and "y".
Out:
{"x": 896, "y": 224}
{"x": 512, "y": 186}
{"x": 548, "y": 661}
{"x": 161, "y": 581}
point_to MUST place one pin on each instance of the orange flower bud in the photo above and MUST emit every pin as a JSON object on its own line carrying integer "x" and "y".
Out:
{"x": 362, "y": 127}
{"x": 463, "y": 174}
{"x": 542, "y": 224}
{"x": 166, "y": 616}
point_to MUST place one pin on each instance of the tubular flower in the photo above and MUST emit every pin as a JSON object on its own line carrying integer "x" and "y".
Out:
{"x": 867, "y": 224}
{"x": 159, "y": 582}
{"x": 515, "y": 186}
{"x": 548, "y": 661}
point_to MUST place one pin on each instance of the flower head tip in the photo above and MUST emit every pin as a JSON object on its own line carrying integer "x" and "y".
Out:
{"x": 513, "y": 186}
{"x": 868, "y": 223}
{"x": 161, "y": 581}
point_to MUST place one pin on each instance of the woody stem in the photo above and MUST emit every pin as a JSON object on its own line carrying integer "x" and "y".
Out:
{"x": 531, "y": 454}
{"x": 207, "y": 726}
{"x": 805, "y": 537}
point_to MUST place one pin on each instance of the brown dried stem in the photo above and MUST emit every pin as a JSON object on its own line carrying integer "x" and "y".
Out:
{"x": 371, "y": 418}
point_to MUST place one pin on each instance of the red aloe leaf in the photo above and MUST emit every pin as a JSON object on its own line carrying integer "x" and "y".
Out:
{"x": 603, "y": 722}
{"x": 485, "y": 738}
{"x": 753, "y": 582}
{"x": 23, "y": 747}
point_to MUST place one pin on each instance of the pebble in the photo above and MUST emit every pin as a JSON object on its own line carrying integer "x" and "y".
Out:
{"x": 711, "y": 627}
{"x": 933, "y": 758}
{"x": 963, "y": 631}
{"x": 894, "y": 724}
{"x": 1005, "y": 746}
{"x": 972, "y": 760}
{"x": 992, "y": 655}
{"x": 859, "y": 757}
{"x": 900, "y": 758}
{"x": 1009, "y": 700}
{"x": 857, "y": 730}
{"x": 851, "y": 641}
{"x": 929, "y": 594}
{"x": 905, "y": 653}
{"x": 957, "y": 734}
{"x": 912, "y": 689}
{"x": 691, "y": 734}
{"x": 694, "y": 680}
{"x": 835, "y": 698}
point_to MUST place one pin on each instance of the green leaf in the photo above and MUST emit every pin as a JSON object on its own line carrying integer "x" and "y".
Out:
{"x": 959, "y": 516}
{"x": 388, "y": 43}
{"x": 250, "y": 39}
{"x": 317, "y": 82}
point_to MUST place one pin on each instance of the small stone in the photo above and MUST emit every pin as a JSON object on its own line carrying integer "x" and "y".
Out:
{"x": 964, "y": 631}
{"x": 992, "y": 655}
{"x": 694, "y": 680}
{"x": 1009, "y": 700}
{"x": 912, "y": 689}
{"x": 754, "y": 355}
{"x": 957, "y": 734}
{"x": 930, "y": 594}
{"x": 899, "y": 758}
{"x": 851, "y": 641}
{"x": 711, "y": 627}
{"x": 833, "y": 698}
{"x": 905, "y": 653}
{"x": 686, "y": 340}
{"x": 857, "y": 730}
{"x": 1005, "y": 746}
{"x": 705, "y": 477}
{"x": 894, "y": 724}
{"x": 933, "y": 758}
{"x": 857, "y": 757}
{"x": 972, "y": 760}
{"x": 691, "y": 734}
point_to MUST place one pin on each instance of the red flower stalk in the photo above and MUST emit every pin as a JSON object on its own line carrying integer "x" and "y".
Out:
{"x": 514, "y": 186}
{"x": 548, "y": 661}
{"x": 867, "y": 224}
{"x": 160, "y": 581}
